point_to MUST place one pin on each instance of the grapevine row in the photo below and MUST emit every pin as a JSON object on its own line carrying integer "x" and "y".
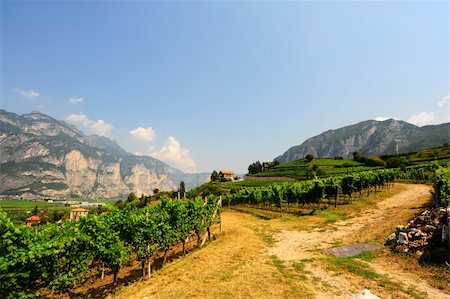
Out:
{"x": 313, "y": 191}
{"x": 60, "y": 256}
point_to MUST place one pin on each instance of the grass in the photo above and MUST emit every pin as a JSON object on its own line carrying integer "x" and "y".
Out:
{"x": 241, "y": 263}
{"x": 234, "y": 266}
{"x": 333, "y": 216}
{"x": 255, "y": 183}
{"x": 27, "y": 205}
{"x": 356, "y": 267}
{"x": 353, "y": 266}
{"x": 299, "y": 169}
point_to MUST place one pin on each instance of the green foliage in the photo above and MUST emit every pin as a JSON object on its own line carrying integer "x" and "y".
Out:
{"x": 313, "y": 191}
{"x": 215, "y": 177}
{"x": 442, "y": 186}
{"x": 61, "y": 256}
{"x": 131, "y": 197}
{"x": 396, "y": 162}
{"x": 255, "y": 168}
{"x": 309, "y": 157}
{"x": 301, "y": 169}
{"x": 182, "y": 188}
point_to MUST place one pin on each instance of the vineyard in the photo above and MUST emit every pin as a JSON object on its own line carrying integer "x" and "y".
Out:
{"x": 58, "y": 257}
{"x": 298, "y": 194}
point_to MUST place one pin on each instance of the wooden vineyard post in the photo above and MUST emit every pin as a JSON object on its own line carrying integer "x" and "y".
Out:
{"x": 220, "y": 214}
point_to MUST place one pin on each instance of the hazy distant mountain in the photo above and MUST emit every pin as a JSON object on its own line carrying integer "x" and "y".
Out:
{"x": 371, "y": 138}
{"x": 40, "y": 155}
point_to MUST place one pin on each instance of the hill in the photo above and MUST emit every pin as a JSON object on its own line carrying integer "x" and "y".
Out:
{"x": 371, "y": 138}
{"x": 42, "y": 156}
{"x": 301, "y": 169}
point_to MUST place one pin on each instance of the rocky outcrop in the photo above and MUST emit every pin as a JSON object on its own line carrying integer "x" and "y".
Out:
{"x": 371, "y": 138}
{"x": 41, "y": 156}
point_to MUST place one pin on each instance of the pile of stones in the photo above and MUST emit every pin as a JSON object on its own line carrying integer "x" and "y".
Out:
{"x": 425, "y": 233}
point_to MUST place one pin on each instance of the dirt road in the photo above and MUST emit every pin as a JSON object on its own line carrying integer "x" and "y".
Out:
{"x": 299, "y": 245}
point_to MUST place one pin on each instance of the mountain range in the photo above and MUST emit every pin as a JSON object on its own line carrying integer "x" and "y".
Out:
{"x": 42, "y": 156}
{"x": 371, "y": 138}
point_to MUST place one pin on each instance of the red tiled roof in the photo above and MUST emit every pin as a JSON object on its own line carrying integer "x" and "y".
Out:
{"x": 34, "y": 218}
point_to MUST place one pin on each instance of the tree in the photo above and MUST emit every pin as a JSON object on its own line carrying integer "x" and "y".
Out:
{"x": 34, "y": 211}
{"x": 182, "y": 188}
{"x": 131, "y": 197}
{"x": 358, "y": 157}
{"x": 309, "y": 157}
{"x": 120, "y": 204}
{"x": 215, "y": 176}
{"x": 255, "y": 168}
{"x": 155, "y": 191}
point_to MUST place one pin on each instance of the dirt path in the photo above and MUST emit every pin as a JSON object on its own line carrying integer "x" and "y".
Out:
{"x": 292, "y": 246}
{"x": 297, "y": 245}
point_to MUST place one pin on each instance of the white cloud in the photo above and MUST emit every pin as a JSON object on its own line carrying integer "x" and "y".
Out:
{"x": 383, "y": 118}
{"x": 29, "y": 94}
{"x": 75, "y": 101}
{"x": 441, "y": 103}
{"x": 99, "y": 127}
{"x": 422, "y": 118}
{"x": 172, "y": 153}
{"x": 145, "y": 134}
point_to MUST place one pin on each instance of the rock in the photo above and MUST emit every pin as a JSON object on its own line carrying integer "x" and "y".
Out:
{"x": 391, "y": 238}
{"x": 429, "y": 228}
{"x": 418, "y": 235}
{"x": 402, "y": 238}
{"x": 400, "y": 228}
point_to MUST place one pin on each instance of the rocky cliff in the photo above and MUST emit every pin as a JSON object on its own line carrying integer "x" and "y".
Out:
{"x": 371, "y": 138}
{"x": 41, "y": 156}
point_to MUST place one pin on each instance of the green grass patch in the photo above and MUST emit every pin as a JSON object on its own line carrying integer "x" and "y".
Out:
{"x": 264, "y": 235}
{"x": 354, "y": 266}
{"x": 255, "y": 183}
{"x": 27, "y": 204}
{"x": 332, "y": 217}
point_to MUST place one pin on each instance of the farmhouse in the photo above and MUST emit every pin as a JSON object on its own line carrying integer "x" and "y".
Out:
{"x": 34, "y": 220}
{"x": 227, "y": 174}
{"x": 76, "y": 213}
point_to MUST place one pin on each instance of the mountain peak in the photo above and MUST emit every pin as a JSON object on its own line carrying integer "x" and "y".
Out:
{"x": 370, "y": 137}
{"x": 41, "y": 156}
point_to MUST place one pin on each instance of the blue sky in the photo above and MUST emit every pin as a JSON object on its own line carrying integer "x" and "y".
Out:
{"x": 218, "y": 85}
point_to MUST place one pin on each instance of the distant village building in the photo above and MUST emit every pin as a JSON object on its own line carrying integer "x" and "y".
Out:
{"x": 227, "y": 174}
{"x": 34, "y": 220}
{"x": 76, "y": 213}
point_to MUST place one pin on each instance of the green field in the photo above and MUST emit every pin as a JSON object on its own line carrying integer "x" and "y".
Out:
{"x": 21, "y": 206}
{"x": 299, "y": 169}
{"x": 254, "y": 183}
